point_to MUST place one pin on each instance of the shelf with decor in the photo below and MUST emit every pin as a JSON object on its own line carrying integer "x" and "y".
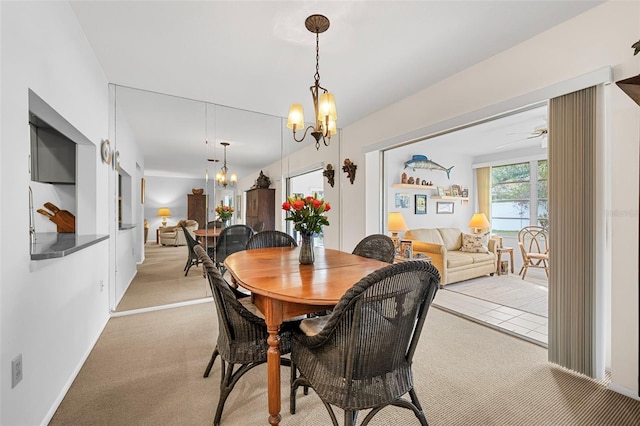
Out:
{"x": 448, "y": 197}
{"x": 412, "y": 186}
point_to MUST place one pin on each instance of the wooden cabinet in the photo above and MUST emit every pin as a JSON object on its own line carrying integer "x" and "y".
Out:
{"x": 197, "y": 208}
{"x": 261, "y": 205}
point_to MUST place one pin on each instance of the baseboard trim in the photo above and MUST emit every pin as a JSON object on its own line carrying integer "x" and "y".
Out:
{"x": 161, "y": 307}
{"x": 623, "y": 390}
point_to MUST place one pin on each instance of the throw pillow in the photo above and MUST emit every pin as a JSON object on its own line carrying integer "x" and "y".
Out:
{"x": 475, "y": 243}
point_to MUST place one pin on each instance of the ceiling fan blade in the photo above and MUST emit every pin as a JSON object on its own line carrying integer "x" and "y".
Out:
{"x": 535, "y": 134}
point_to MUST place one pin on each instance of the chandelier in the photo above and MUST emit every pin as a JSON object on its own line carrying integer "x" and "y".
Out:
{"x": 221, "y": 176}
{"x": 325, "y": 106}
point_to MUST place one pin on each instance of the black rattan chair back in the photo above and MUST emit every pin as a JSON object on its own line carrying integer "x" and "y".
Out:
{"x": 231, "y": 239}
{"x": 242, "y": 336}
{"x": 192, "y": 257}
{"x": 362, "y": 357}
{"x": 376, "y": 246}
{"x": 266, "y": 239}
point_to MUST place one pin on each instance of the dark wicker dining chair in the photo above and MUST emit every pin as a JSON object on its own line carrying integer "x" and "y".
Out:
{"x": 266, "y": 239}
{"x": 376, "y": 246}
{"x": 242, "y": 336}
{"x": 231, "y": 239}
{"x": 192, "y": 257}
{"x": 361, "y": 356}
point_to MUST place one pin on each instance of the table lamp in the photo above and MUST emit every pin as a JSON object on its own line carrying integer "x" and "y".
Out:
{"x": 395, "y": 224}
{"x": 164, "y": 212}
{"x": 479, "y": 222}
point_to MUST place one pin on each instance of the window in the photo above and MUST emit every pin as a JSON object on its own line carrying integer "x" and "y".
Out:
{"x": 518, "y": 195}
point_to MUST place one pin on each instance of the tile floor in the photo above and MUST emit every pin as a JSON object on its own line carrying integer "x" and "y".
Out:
{"x": 513, "y": 321}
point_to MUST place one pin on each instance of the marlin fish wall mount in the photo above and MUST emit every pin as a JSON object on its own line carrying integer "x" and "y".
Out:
{"x": 422, "y": 162}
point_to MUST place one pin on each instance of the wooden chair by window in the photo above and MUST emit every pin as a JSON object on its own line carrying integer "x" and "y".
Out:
{"x": 534, "y": 247}
{"x": 270, "y": 239}
{"x": 360, "y": 356}
{"x": 242, "y": 336}
{"x": 376, "y": 246}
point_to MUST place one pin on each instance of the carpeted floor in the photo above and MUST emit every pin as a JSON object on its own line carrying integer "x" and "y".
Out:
{"x": 146, "y": 369}
{"x": 160, "y": 279}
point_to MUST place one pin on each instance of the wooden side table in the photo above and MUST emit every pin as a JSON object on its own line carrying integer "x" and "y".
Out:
{"x": 501, "y": 251}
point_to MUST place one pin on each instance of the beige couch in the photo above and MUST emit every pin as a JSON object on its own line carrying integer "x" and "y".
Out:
{"x": 173, "y": 235}
{"x": 443, "y": 246}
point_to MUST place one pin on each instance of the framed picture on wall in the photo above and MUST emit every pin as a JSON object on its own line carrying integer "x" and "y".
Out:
{"x": 402, "y": 201}
{"x": 444, "y": 207}
{"x": 420, "y": 204}
{"x": 406, "y": 248}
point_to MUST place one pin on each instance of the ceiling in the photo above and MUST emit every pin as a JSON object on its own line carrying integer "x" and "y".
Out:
{"x": 232, "y": 68}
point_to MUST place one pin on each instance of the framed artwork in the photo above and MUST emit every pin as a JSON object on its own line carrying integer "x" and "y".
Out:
{"x": 441, "y": 191}
{"x": 421, "y": 204}
{"x": 444, "y": 207}
{"x": 406, "y": 248}
{"x": 402, "y": 201}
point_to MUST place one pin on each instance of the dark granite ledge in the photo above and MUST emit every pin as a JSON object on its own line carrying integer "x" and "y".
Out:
{"x": 51, "y": 245}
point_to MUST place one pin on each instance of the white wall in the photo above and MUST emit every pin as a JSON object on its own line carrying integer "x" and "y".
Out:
{"x": 51, "y": 311}
{"x": 600, "y": 37}
{"x": 171, "y": 192}
{"x": 461, "y": 174}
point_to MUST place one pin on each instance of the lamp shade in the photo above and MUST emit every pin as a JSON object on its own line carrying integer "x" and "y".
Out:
{"x": 332, "y": 128}
{"x": 396, "y": 222}
{"x": 296, "y": 117}
{"x": 479, "y": 220}
{"x": 327, "y": 107}
{"x": 164, "y": 212}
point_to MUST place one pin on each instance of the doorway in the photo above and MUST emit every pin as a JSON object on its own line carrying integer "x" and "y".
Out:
{"x": 513, "y": 147}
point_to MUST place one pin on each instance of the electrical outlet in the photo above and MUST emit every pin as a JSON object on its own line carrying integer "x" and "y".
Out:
{"x": 16, "y": 371}
{"x": 101, "y": 284}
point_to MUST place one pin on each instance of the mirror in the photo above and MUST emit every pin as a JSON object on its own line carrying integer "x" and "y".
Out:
{"x": 181, "y": 141}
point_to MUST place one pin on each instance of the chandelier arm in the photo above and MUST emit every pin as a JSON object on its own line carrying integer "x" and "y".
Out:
{"x": 303, "y": 136}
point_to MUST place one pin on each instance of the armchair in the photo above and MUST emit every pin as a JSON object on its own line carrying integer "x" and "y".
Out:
{"x": 173, "y": 235}
{"x": 242, "y": 336}
{"x": 360, "y": 356}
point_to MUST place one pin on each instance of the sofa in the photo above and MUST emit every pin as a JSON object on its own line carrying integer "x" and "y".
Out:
{"x": 173, "y": 235}
{"x": 456, "y": 255}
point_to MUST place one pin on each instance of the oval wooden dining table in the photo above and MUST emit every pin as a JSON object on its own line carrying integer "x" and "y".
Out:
{"x": 282, "y": 288}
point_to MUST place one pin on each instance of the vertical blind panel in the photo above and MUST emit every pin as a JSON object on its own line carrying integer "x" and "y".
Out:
{"x": 572, "y": 196}
{"x": 483, "y": 181}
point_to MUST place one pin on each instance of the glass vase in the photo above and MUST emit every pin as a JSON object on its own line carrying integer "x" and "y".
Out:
{"x": 306, "y": 250}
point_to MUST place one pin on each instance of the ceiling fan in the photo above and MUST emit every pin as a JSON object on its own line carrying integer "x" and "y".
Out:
{"x": 537, "y": 133}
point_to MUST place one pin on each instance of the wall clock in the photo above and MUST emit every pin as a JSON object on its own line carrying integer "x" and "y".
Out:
{"x": 105, "y": 150}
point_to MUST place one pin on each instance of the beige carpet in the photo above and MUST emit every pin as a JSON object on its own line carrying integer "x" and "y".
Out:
{"x": 160, "y": 279}
{"x": 146, "y": 369}
{"x": 529, "y": 295}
